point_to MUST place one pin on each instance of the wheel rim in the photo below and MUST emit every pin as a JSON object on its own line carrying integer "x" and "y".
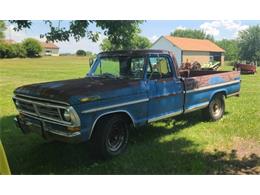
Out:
{"x": 116, "y": 137}
{"x": 216, "y": 108}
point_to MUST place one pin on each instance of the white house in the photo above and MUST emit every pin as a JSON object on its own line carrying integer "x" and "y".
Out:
{"x": 49, "y": 49}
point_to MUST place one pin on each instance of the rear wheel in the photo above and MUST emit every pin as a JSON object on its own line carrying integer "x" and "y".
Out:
{"x": 110, "y": 136}
{"x": 215, "y": 109}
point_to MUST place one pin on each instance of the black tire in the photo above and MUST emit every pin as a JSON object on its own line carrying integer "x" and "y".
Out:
{"x": 110, "y": 137}
{"x": 215, "y": 109}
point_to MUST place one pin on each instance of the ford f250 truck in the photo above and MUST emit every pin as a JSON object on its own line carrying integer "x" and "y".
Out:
{"x": 122, "y": 89}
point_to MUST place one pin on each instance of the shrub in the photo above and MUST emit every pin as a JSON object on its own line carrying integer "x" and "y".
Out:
{"x": 81, "y": 53}
{"x": 32, "y": 47}
{"x": 89, "y": 53}
{"x": 11, "y": 50}
{"x": 19, "y": 50}
{"x": 2, "y": 50}
{"x": 6, "y": 50}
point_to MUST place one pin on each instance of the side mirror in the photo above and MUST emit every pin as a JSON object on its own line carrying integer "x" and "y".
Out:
{"x": 90, "y": 61}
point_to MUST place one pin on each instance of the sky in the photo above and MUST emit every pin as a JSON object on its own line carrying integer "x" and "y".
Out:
{"x": 151, "y": 29}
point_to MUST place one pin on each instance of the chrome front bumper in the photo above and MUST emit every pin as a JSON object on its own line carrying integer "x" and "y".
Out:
{"x": 29, "y": 124}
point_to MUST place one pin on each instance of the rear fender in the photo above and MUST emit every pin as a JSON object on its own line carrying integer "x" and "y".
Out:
{"x": 220, "y": 91}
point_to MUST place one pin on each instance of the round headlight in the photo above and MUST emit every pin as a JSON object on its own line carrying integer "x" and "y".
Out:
{"x": 67, "y": 115}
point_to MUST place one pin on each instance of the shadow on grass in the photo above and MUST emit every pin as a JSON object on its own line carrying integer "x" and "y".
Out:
{"x": 145, "y": 155}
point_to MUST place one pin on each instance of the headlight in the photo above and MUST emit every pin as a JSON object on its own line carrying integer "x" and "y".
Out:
{"x": 67, "y": 115}
{"x": 71, "y": 116}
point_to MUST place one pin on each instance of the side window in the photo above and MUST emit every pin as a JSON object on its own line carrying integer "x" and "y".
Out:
{"x": 158, "y": 67}
{"x": 137, "y": 67}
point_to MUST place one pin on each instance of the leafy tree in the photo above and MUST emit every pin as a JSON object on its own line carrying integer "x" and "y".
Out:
{"x": 249, "y": 44}
{"x": 119, "y": 32}
{"x": 138, "y": 42}
{"x": 2, "y": 29}
{"x": 32, "y": 46}
{"x": 106, "y": 45}
{"x": 231, "y": 49}
{"x": 81, "y": 53}
{"x": 192, "y": 33}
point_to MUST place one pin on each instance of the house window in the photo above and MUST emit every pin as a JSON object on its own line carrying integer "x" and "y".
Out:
{"x": 215, "y": 56}
{"x": 48, "y": 52}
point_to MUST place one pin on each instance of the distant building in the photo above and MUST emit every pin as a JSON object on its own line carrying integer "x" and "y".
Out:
{"x": 187, "y": 49}
{"x": 9, "y": 41}
{"x": 49, "y": 49}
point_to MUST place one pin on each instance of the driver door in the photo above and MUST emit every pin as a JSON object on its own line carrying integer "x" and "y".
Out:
{"x": 165, "y": 91}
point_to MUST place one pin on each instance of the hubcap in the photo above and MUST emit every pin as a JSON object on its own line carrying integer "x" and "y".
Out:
{"x": 116, "y": 137}
{"x": 216, "y": 107}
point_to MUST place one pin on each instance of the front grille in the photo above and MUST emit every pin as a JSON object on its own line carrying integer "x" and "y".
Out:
{"x": 49, "y": 112}
{"x": 40, "y": 109}
{"x": 26, "y": 106}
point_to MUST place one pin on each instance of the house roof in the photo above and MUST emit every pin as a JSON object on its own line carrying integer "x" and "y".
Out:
{"x": 9, "y": 41}
{"x": 188, "y": 44}
{"x": 49, "y": 45}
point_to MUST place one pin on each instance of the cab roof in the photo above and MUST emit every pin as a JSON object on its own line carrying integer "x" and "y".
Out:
{"x": 133, "y": 52}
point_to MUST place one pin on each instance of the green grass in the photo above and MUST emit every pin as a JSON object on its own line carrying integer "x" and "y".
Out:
{"x": 185, "y": 145}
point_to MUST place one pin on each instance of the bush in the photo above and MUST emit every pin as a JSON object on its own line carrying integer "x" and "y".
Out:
{"x": 6, "y": 50}
{"x": 19, "y": 50}
{"x": 81, "y": 53}
{"x": 32, "y": 47}
{"x": 11, "y": 50}
{"x": 89, "y": 53}
{"x": 2, "y": 50}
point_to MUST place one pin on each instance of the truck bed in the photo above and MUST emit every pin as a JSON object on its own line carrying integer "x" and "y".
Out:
{"x": 198, "y": 79}
{"x": 200, "y": 86}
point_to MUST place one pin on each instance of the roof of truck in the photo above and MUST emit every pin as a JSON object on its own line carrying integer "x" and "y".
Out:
{"x": 134, "y": 52}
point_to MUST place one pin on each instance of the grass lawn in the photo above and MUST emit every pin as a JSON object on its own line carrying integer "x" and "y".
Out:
{"x": 185, "y": 145}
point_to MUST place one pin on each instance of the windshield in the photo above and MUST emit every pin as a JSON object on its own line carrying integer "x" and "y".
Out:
{"x": 119, "y": 67}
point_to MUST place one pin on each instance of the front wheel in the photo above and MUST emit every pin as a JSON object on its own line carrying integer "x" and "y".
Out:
{"x": 215, "y": 109}
{"x": 110, "y": 137}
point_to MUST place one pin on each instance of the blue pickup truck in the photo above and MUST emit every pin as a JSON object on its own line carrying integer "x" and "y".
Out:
{"x": 123, "y": 89}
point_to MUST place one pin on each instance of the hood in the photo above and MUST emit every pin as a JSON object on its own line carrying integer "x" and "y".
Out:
{"x": 71, "y": 91}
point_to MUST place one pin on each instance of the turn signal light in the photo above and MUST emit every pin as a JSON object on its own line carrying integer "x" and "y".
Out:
{"x": 73, "y": 128}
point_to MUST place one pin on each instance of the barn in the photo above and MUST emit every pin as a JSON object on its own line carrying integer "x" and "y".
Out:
{"x": 190, "y": 50}
{"x": 49, "y": 49}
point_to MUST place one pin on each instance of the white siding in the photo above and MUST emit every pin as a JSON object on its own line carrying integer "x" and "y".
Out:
{"x": 50, "y": 52}
{"x": 163, "y": 43}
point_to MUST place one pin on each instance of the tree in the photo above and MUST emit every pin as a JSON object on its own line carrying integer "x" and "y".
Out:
{"x": 249, "y": 44}
{"x": 231, "y": 49}
{"x": 192, "y": 33}
{"x": 81, "y": 53}
{"x": 2, "y": 29}
{"x": 120, "y": 33}
{"x": 32, "y": 46}
{"x": 141, "y": 42}
{"x": 138, "y": 42}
